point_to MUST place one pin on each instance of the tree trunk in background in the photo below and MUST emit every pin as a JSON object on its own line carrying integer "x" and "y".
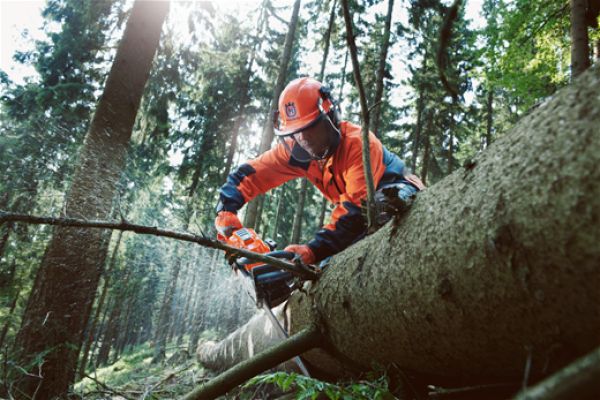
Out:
{"x": 509, "y": 271}
{"x": 5, "y": 229}
{"x": 580, "y": 46}
{"x": 489, "y": 117}
{"x": 252, "y": 215}
{"x": 203, "y": 291}
{"x": 450, "y": 159}
{"x": 99, "y": 307}
{"x": 8, "y": 316}
{"x": 113, "y": 325}
{"x": 188, "y": 294}
{"x": 427, "y": 150}
{"x": 278, "y": 213}
{"x": 419, "y": 123}
{"x": 264, "y": 203}
{"x": 67, "y": 280}
{"x": 381, "y": 69}
{"x": 244, "y": 99}
{"x": 299, "y": 214}
{"x": 165, "y": 314}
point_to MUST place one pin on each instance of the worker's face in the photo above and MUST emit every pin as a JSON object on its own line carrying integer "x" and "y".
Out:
{"x": 317, "y": 139}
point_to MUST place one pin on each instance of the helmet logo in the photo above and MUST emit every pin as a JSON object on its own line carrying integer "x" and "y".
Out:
{"x": 290, "y": 110}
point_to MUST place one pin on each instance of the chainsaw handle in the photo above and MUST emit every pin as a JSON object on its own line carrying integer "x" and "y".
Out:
{"x": 281, "y": 254}
{"x": 276, "y": 254}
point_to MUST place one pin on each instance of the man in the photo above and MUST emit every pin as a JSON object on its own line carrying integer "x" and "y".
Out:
{"x": 316, "y": 144}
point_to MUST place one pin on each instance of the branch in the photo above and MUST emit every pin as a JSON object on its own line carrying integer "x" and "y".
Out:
{"x": 297, "y": 269}
{"x": 366, "y": 157}
{"x": 107, "y": 388}
{"x": 578, "y": 380}
{"x": 295, "y": 345}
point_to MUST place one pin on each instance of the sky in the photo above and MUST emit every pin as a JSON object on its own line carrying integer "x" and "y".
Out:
{"x": 21, "y": 23}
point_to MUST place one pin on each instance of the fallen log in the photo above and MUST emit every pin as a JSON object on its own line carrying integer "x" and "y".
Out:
{"x": 497, "y": 264}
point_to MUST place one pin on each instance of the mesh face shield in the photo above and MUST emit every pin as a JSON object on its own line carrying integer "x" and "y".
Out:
{"x": 317, "y": 141}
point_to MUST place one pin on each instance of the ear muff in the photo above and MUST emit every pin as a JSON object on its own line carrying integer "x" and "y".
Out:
{"x": 334, "y": 110}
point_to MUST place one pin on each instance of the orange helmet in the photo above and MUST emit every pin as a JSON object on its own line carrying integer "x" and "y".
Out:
{"x": 301, "y": 103}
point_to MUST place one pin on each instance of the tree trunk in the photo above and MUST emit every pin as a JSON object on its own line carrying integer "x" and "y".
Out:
{"x": 199, "y": 315}
{"x": 427, "y": 150}
{"x": 4, "y": 239}
{"x": 190, "y": 294}
{"x": 450, "y": 159}
{"x": 381, "y": 69}
{"x": 164, "y": 319}
{"x": 299, "y": 213}
{"x": 94, "y": 322}
{"x": 244, "y": 99}
{"x": 68, "y": 276}
{"x": 278, "y": 213}
{"x": 8, "y": 323}
{"x": 419, "y": 123}
{"x": 297, "y": 225}
{"x": 267, "y": 136}
{"x": 509, "y": 270}
{"x": 580, "y": 46}
{"x": 489, "y": 117}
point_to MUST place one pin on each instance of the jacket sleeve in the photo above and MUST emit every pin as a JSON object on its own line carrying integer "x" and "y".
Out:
{"x": 255, "y": 177}
{"x": 347, "y": 224}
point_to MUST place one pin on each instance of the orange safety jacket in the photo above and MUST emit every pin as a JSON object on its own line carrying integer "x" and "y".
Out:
{"x": 341, "y": 179}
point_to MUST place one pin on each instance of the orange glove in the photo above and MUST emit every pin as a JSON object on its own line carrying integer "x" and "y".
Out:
{"x": 226, "y": 223}
{"x": 306, "y": 254}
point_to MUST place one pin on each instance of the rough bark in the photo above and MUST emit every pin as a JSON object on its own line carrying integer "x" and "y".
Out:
{"x": 494, "y": 264}
{"x": 267, "y": 135}
{"x": 64, "y": 289}
{"x": 580, "y": 46}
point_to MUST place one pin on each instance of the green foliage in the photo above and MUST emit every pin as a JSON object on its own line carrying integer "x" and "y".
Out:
{"x": 305, "y": 388}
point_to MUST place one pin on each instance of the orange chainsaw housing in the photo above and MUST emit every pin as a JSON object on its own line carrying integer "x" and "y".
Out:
{"x": 246, "y": 238}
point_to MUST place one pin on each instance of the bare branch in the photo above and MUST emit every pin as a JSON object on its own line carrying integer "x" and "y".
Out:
{"x": 297, "y": 344}
{"x": 366, "y": 157}
{"x": 303, "y": 271}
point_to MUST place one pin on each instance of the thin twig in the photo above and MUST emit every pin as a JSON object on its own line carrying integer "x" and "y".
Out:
{"x": 304, "y": 271}
{"x": 436, "y": 392}
{"x": 106, "y": 387}
{"x": 159, "y": 383}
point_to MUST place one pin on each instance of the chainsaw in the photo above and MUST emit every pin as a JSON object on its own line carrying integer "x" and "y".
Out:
{"x": 272, "y": 286}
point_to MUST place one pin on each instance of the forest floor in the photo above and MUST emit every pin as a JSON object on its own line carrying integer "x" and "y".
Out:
{"x": 135, "y": 377}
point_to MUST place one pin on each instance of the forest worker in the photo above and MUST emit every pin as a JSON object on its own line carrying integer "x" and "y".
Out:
{"x": 316, "y": 144}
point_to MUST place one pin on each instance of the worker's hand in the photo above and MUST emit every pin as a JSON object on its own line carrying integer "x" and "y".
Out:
{"x": 303, "y": 251}
{"x": 226, "y": 223}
